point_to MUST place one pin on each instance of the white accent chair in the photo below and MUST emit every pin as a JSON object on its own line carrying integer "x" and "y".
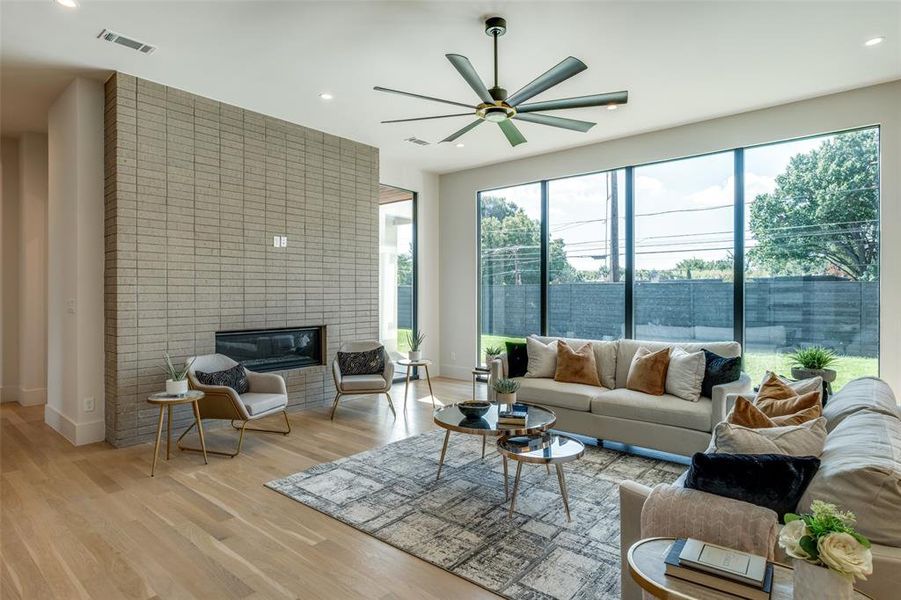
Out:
{"x": 360, "y": 385}
{"x": 267, "y": 395}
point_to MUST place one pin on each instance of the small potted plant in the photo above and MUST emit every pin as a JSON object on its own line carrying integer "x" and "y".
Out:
{"x": 828, "y": 554}
{"x": 505, "y": 391}
{"x": 813, "y": 361}
{"x": 177, "y": 384}
{"x": 492, "y": 352}
{"x": 414, "y": 341}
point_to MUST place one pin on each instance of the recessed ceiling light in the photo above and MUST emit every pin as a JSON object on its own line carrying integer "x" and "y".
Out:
{"x": 67, "y": 3}
{"x": 326, "y": 96}
{"x": 612, "y": 107}
{"x": 874, "y": 41}
{"x": 460, "y": 145}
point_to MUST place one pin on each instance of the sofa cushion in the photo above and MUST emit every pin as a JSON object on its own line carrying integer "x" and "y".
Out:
{"x": 663, "y": 410}
{"x": 547, "y": 392}
{"x": 806, "y": 439}
{"x": 626, "y": 350}
{"x": 366, "y": 362}
{"x": 861, "y": 472}
{"x": 234, "y": 377}
{"x": 542, "y": 358}
{"x": 517, "y": 359}
{"x": 869, "y": 394}
{"x": 362, "y": 382}
{"x": 685, "y": 374}
{"x": 647, "y": 373}
{"x": 719, "y": 370}
{"x": 604, "y": 356}
{"x": 745, "y": 414}
{"x": 257, "y": 403}
{"x": 790, "y": 405}
{"x": 792, "y": 387}
{"x": 576, "y": 364}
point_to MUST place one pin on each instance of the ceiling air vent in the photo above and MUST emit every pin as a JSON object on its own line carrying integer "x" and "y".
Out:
{"x": 117, "y": 38}
{"x": 417, "y": 141}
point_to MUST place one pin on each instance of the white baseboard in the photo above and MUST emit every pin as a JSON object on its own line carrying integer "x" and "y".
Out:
{"x": 9, "y": 393}
{"x": 77, "y": 433}
{"x": 32, "y": 396}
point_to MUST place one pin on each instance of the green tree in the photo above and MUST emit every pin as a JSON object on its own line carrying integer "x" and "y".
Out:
{"x": 511, "y": 247}
{"x": 405, "y": 268}
{"x": 823, "y": 215}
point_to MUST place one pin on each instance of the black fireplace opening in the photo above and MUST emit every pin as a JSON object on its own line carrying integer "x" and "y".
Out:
{"x": 274, "y": 349}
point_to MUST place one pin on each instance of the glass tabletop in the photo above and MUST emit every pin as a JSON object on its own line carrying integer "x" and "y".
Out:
{"x": 541, "y": 448}
{"x": 538, "y": 420}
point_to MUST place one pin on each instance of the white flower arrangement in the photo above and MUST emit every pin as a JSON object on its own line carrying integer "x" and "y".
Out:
{"x": 825, "y": 537}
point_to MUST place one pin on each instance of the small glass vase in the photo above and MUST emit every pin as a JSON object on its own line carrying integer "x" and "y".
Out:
{"x": 812, "y": 581}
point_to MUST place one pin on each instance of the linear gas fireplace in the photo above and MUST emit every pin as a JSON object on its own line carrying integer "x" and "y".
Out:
{"x": 274, "y": 349}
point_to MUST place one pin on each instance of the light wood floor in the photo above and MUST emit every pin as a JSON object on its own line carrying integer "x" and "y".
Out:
{"x": 89, "y": 522}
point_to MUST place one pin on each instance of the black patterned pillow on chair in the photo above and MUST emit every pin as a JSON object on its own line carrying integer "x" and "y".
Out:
{"x": 235, "y": 378}
{"x": 370, "y": 362}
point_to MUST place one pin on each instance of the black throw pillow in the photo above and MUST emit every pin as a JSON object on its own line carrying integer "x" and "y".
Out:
{"x": 369, "y": 362}
{"x": 719, "y": 370}
{"x": 517, "y": 359}
{"x": 235, "y": 378}
{"x": 775, "y": 481}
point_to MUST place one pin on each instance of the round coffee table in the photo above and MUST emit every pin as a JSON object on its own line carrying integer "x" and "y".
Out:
{"x": 166, "y": 402}
{"x": 450, "y": 418}
{"x": 648, "y": 570}
{"x": 543, "y": 449}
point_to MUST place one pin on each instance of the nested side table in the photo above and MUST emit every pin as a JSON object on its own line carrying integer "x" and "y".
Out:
{"x": 410, "y": 365}
{"x": 166, "y": 402}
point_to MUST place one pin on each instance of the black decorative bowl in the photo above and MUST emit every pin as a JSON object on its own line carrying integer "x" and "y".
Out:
{"x": 474, "y": 410}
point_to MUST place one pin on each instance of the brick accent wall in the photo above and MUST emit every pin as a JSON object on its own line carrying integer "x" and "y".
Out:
{"x": 195, "y": 191}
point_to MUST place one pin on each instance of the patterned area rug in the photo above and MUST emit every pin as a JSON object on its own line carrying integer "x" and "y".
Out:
{"x": 460, "y": 522}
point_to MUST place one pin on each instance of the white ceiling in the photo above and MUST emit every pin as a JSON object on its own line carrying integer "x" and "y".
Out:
{"x": 680, "y": 61}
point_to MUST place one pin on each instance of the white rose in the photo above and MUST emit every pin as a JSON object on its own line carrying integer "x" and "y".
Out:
{"x": 790, "y": 538}
{"x": 841, "y": 552}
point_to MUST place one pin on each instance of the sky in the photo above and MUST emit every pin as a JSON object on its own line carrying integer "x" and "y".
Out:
{"x": 698, "y": 189}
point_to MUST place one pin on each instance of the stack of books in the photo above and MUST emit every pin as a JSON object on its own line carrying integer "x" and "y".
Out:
{"x": 512, "y": 414}
{"x": 731, "y": 571}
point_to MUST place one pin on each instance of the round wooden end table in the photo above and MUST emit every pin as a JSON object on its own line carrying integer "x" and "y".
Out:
{"x": 410, "y": 365}
{"x": 166, "y": 402}
{"x": 649, "y": 571}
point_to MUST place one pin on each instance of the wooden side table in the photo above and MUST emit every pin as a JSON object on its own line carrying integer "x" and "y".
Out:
{"x": 410, "y": 365}
{"x": 649, "y": 571}
{"x": 166, "y": 402}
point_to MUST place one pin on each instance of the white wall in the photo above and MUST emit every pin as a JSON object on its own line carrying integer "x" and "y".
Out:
{"x": 426, "y": 185}
{"x": 9, "y": 283}
{"x": 866, "y": 106}
{"x": 76, "y": 255}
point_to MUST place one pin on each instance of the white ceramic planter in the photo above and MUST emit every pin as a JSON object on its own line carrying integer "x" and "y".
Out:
{"x": 414, "y": 354}
{"x": 174, "y": 388}
{"x": 505, "y": 398}
{"x": 811, "y": 581}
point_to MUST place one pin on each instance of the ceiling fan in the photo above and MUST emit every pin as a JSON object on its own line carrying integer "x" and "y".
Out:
{"x": 499, "y": 107}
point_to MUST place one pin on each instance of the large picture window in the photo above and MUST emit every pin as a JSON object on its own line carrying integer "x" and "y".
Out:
{"x": 775, "y": 246}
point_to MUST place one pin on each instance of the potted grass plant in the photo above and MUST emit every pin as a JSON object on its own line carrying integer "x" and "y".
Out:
{"x": 828, "y": 554}
{"x": 177, "y": 382}
{"x": 414, "y": 341}
{"x": 813, "y": 361}
{"x": 505, "y": 391}
{"x": 492, "y": 352}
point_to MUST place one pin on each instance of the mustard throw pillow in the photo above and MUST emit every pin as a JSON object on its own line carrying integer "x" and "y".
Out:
{"x": 576, "y": 366}
{"x": 647, "y": 373}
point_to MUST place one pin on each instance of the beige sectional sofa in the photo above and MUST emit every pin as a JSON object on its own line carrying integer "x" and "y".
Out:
{"x": 860, "y": 470}
{"x": 615, "y": 413}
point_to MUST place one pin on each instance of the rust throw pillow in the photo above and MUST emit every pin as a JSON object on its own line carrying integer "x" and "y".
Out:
{"x": 813, "y": 411}
{"x": 747, "y": 415}
{"x": 774, "y": 387}
{"x": 576, "y": 366}
{"x": 791, "y": 405}
{"x": 647, "y": 373}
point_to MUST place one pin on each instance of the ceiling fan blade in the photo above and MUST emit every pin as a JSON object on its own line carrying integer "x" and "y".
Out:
{"x": 578, "y": 102}
{"x": 568, "y": 67}
{"x": 457, "y": 134}
{"x": 465, "y": 68}
{"x": 421, "y": 97}
{"x": 572, "y": 124}
{"x": 512, "y": 132}
{"x": 469, "y": 114}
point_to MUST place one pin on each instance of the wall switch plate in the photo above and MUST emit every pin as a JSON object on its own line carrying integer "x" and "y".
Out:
{"x": 276, "y": 241}
{"x": 89, "y": 404}
{"x": 284, "y": 241}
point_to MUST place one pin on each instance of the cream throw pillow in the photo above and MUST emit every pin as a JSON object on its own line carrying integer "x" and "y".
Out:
{"x": 542, "y": 358}
{"x": 806, "y": 439}
{"x": 685, "y": 374}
